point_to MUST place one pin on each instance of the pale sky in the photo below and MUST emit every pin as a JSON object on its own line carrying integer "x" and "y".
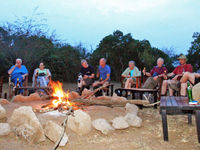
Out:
{"x": 165, "y": 23}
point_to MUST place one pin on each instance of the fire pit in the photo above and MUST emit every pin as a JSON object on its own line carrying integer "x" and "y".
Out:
{"x": 59, "y": 99}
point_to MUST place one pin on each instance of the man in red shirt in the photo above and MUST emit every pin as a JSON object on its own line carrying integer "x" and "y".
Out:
{"x": 177, "y": 74}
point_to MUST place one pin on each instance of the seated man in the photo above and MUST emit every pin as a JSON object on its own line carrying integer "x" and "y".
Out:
{"x": 18, "y": 73}
{"x": 177, "y": 74}
{"x": 155, "y": 74}
{"x": 130, "y": 74}
{"x": 103, "y": 74}
{"x": 41, "y": 76}
{"x": 86, "y": 76}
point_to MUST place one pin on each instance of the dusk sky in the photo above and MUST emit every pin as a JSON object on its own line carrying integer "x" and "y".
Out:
{"x": 165, "y": 23}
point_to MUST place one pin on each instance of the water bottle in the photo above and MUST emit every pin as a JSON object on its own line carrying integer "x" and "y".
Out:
{"x": 189, "y": 92}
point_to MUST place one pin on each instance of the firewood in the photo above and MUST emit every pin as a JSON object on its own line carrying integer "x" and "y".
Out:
{"x": 110, "y": 102}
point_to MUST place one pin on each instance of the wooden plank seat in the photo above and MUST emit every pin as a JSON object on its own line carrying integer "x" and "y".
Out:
{"x": 46, "y": 89}
{"x": 177, "y": 105}
{"x": 139, "y": 91}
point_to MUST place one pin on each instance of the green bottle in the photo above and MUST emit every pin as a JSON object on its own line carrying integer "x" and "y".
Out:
{"x": 189, "y": 92}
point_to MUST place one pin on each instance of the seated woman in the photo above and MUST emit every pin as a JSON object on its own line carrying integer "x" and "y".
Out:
{"x": 18, "y": 73}
{"x": 130, "y": 74}
{"x": 41, "y": 76}
{"x": 153, "y": 76}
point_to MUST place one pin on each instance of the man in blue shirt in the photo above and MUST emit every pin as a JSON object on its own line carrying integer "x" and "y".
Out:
{"x": 103, "y": 73}
{"x": 18, "y": 73}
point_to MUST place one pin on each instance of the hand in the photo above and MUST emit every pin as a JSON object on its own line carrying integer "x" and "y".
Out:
{"x": 155, "y": 78}
{"x": 23, "y": 77}
{"x": 128, "y": 76}
{"x": 164, "y": 76}
{"x": 144, "y": 71}
{"x": 85, "y": 77}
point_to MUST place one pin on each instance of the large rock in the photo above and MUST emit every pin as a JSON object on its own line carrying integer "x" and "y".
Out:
{"x": 131, "y": 108}
{"x": 32, "y": 97}
{"x": 133, "y": 120}
{"x": 4, "y": 129}
{"x": 53, "y": 131}
{"x": 4, "y": 101}
{"x": 25, "y": 124}
{"x": 102, "y": 125}
{"x": 2, "y": 112}
{"x": 196, "y": 93}
{"x": 119, "y": 123}
{"x": 80, "y": 122}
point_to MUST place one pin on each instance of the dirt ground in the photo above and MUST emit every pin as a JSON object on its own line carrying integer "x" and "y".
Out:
{"x": 149, "y": 137}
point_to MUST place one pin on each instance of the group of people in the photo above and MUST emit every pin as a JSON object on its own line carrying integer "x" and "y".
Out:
{"x": 174, "y": 81}
{"x": 19, "y": 73}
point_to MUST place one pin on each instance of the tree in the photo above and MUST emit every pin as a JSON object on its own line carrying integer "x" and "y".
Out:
{"x": 194, "y": 51}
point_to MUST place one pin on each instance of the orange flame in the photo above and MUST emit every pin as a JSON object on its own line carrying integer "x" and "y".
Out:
{"x": 63, "y": 98}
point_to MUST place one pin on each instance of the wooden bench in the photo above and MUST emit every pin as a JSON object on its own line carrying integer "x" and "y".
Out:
{"x": 140, "y": 91}
{"x": 178, "y": 106}
{"x": 46, "y": 89}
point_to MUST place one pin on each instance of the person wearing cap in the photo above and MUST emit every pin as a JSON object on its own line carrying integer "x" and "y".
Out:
{"x": 157, "y": 72}
{"x": 130, "y": 74}
{"x": 86, "y": 76}
{"x": 176, "y": 76}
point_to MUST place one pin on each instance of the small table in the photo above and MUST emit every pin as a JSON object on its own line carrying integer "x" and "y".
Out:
{"x": 171, "y": 105}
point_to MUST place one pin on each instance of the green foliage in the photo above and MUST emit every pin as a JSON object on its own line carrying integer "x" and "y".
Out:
{"x": 30, "y": 40}
{"x": 194, "y": 51}
{"x": 119, "y": 49}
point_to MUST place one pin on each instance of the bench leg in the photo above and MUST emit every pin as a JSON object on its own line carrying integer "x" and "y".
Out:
{"x": 189, "y": 118}
{"x": 198, "y": 124}
{"x": 112, "y": 90}
{"x": 164, "y": 125}
{"x": 155, "y": 99}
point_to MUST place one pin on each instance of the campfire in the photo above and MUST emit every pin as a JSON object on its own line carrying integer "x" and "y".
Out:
{"x": 59, "y": 98}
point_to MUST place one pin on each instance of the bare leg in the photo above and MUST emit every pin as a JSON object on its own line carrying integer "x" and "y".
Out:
{"x": 129, "y": 83}
{"x": 183, "y": 89}
{"x": 188, "y": 76}
{"x": 164, "y": 87}
{"x": 96, "y": 83}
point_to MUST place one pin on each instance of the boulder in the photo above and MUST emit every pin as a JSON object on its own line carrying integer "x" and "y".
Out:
{"x": 133, "y": 120}
{"x": 80, "y": 123}
{"x": 53, "y": 131}
{"x": 4, "y": 102}
{"x": 32, "y": 97}
{"x": 102, "y": 125}
{"x": 4, "y": 129}
{"x": 131, "y": 108}
{"x": 196, "y": 93}
{"x": 25, "y": 124}
{"x": 119, "y": 123}
{"x": 73, "y": 95}
{"x": 2, "y": 112}
{"x": 86, "y": 93}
